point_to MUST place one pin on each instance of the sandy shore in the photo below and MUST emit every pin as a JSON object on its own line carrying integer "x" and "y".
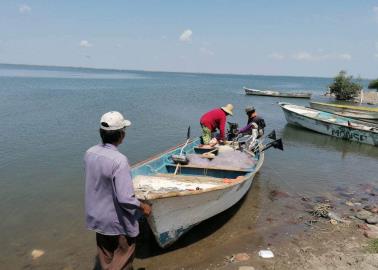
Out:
{"x": 370, "y": 97}
{"x": 324, "y": 246}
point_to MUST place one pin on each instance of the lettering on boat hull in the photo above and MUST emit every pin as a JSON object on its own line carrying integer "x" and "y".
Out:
{"x": 345, "y": 133}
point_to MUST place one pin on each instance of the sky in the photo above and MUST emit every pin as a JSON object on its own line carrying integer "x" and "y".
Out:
{"x": 266, "y": 37}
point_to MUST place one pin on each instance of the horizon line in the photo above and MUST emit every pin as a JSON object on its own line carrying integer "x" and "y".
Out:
{"x": 167, "y": 71}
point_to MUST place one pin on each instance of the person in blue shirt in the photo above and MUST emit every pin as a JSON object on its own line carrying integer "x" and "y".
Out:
{"x": 111, "y": 208}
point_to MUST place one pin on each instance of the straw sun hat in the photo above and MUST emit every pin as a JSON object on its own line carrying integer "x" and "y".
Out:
{"x": 228, "y": 108}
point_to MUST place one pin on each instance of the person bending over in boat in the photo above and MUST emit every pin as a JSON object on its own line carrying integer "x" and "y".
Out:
{"x": 111, "y": 209}
{"x": 213, "y": 120}
{"x": 255, "y": 123}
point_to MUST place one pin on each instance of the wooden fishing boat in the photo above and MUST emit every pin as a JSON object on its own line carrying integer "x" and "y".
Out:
{"x": 357, "y": 112}
{"x": 200, "y": 189}
{"x": 331, "y": 124}
{"x": 270, "y": 93}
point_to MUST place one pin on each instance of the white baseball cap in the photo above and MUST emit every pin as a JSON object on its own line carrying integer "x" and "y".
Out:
{"x": 113, "y": 121}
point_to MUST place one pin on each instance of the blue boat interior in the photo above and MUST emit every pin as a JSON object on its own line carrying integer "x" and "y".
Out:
{"x": 338, "y": 119}
{"x": 164, "y": 164}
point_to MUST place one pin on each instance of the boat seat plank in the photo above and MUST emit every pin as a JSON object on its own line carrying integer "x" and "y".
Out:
{"x": 190, "y": 178}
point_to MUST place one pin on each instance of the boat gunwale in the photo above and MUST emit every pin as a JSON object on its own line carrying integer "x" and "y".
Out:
{"x": 350, "y": 107}
{"x": 223, "y": 186}
{"x": 282, "y": 104}
{"x": 157, "y": 156}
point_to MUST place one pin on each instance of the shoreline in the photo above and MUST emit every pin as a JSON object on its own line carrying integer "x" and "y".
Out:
{"x": 368, "y": 97}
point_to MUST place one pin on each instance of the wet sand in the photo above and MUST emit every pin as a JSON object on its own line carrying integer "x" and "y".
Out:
{"x": 370, "y": 97}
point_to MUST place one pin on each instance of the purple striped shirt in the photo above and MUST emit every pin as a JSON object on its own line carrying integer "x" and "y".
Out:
{"x": 111, "y": 207}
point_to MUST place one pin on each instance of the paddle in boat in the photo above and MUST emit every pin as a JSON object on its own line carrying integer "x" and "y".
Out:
{"x": 250, "y": 91}
{"x": 187, "y": 184}
{"x": 331, "y": 124}
{"x": 356, "y": 112}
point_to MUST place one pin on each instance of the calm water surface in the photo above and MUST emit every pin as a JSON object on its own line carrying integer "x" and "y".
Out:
{"x": 50, "y": 117}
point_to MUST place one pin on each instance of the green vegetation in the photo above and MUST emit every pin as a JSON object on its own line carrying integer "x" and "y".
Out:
{"x": 373, "y": 84}
{"x": 344, "y": 88}
{"x": 373, "y": 246}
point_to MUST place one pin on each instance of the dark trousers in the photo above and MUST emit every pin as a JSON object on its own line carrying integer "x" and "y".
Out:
{"x": 115, "y": 252}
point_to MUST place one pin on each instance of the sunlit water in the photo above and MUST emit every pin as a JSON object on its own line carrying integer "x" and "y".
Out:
{"x": 50, "y": 116}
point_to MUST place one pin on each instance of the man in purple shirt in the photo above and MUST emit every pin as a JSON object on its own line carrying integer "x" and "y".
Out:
{"x": 111, "y": 208}
{"x": 254, "y": 122}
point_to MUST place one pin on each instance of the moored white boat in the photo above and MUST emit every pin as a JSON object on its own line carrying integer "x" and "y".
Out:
{"x": 201, "y": 189}
{"x": 330, "y": 124}
{"x": 356, "y": 112}
{"x": 256, "y": 92}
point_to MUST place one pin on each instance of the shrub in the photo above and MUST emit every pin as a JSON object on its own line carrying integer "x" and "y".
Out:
{"x": 343, "y": 87}
{"x": 373, "y": 84}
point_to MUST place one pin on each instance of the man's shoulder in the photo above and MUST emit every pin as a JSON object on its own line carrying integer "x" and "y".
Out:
{"x": 258, "y": 118}
{"x": 94, "y": 149}
{"x": 110, "y": 153}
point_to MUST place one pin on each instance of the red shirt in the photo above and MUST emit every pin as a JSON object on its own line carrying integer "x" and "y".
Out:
{"x": 215, "y": 119}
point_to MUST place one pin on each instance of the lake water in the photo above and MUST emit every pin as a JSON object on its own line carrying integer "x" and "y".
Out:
{"x": 50, "y": 116}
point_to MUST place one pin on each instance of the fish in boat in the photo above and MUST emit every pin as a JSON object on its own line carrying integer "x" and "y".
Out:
{"x": 183, "y": 195}
{"x": 330, "y": 124}
{"x": 356, "y": 112}
{"x": 250, "y": 91}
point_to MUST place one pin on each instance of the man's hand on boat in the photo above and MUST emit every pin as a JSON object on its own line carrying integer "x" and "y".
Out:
{"x": 146, "y": 208}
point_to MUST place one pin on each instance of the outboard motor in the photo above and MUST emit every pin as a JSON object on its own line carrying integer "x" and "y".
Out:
{"x": 232, "y": 131}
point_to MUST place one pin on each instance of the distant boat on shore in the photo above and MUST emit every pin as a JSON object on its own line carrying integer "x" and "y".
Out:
{"x": 250, "y": 91}
{"x": 356, "y": 112}
{"x": 330, "y": 124}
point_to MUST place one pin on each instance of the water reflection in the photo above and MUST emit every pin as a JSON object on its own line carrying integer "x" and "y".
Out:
{"x": 296, "y": 135}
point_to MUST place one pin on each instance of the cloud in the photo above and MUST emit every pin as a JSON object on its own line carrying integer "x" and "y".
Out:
{"x": 85, "y": 44}
{"x": 344, "y": 56}
{"x": 186, "y": 36}
{"x": 307, "y": 56}
{"x": 375, "y": 10}
{"x": 376, "y": 55}
{"x": 24, "y": 9}
{"x": 303, "y": 56}
{"x": 206, "y": 51}
{"x": 276, "y": 56}
{"x": 319, "y": 55}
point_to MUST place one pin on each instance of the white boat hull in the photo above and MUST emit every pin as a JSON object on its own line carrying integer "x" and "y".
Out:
{"x": 270, "y": 93}
{"x": 173, "y": 216}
